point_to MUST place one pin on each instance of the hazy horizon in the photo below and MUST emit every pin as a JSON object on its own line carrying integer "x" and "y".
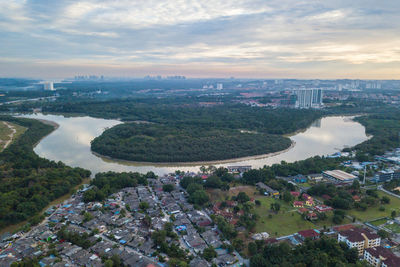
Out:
{"x": 209, "y": 39}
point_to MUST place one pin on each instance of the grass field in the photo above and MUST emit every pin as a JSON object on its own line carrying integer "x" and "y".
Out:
{"x": 393, "y": 227}
{"x": 5, "y": 132}
{"x": 288, "y": 220}
{"x": 219, "y": 195}
{"x": 378, "y": 222}
{"x": 374, "y": 212}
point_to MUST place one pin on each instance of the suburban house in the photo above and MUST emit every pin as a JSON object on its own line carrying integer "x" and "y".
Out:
{"x": 311, "y": 234}
{"x": 308, "y": 199}
{"x": 298, "y": 204}
{"x": 268, "y": 191}
{"x": 299, "y": 178}
{"x": 323, "y": 208}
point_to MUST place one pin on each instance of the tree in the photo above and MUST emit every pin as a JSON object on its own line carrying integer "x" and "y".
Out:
{"x": 383, "y": 234}
{"x": 143, "y": 205}
{"x": 209, "y": 253}
{"x": 287, "y": 197}
{"x": 258, "y": 202}
{"x": 337, "y": 219}
{"x": 199, "y": 197}
{"x": 238, "y": 244}
{"x": 213, "y": 182}
{"x": 275, "y": 207}
{"x": 393, "y": 214}
{"x": 252, "y": 247}
{"x": 242, "y": 197}
{"x": 258, "y": 261}
{"x": 385, "y": 200}
{"x": 168, "y": 187}
{"x": 87, "y": 217}
{"x": 193, "y": 187}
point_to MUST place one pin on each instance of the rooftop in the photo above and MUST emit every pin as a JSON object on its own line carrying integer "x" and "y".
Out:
{"x": 340, "y": 175}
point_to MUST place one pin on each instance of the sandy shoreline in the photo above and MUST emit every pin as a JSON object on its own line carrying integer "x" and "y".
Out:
{"x": 51, "y": 123}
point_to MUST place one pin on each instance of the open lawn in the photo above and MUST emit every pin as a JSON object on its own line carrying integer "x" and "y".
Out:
{"x": 393, "y": 227}
{"x": 374, "y": 212}
{"x": 287, "y": 221}
{"x": 378, "y": 222}
{"x": 219, "y": 195}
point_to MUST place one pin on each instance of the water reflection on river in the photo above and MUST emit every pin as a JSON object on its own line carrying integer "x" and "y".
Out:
{"x": 70, "y": 143}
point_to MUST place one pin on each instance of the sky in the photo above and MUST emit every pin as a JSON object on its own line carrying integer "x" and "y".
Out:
{"x": 218, "y": 38}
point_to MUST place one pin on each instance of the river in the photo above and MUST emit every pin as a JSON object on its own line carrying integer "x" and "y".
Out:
{"x": 70, "y": 143}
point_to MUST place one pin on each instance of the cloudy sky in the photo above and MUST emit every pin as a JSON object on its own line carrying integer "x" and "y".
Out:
{"x": 203, "y": 38}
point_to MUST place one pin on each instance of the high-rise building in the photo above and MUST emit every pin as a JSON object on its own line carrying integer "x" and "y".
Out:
{"x": 220, "y": 86}
{"x": 48, "y": 86}
{"x": 309, "y": 98}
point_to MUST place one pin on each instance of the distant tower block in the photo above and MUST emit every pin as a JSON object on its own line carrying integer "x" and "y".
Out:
{"x": 220, "y": 86}
{"x": 48, "y": 86}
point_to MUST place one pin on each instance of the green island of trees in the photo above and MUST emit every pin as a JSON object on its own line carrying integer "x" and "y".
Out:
{"x": 158, "y": 143}
{"x": 28, "y": 183}
{"x": 201, "y": 134}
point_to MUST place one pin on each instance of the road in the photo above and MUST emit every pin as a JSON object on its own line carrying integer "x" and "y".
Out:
{"x": 11, "y": 135}
{"x": 388, "y": 192}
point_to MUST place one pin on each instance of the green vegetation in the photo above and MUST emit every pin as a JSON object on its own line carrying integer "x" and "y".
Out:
{"x": 160, "y": 143}
{"x": 171, "y": 248}
{"x": 81, "y": 240}
{"x": 104, "y": 184}
{"x": 286, "y": 221}
{"x": 395, "y": 228}
{"x": 29, "y": 183}
{"x": 197, "y": 195}
{"x": 179, "y": 132}
{"x": 373, "y": 212}
{"x": 385, "y": 128}
{"x": 323, "y": 252}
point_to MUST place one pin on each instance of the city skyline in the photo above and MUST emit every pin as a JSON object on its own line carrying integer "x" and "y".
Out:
{"x": 245, "y": 39}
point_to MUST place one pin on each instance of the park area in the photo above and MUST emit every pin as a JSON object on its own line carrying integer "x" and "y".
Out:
{"x": 284, "y": 222}
{"x": 374, "y": 213}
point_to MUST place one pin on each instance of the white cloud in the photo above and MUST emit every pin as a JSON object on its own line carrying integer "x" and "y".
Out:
{"x": 264, "y": 34}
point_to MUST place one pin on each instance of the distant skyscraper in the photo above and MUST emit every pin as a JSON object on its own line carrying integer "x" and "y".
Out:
{"x": 309, "y": 98}
{"x": 220, "y": 86}
{"x": 48, "y": 86}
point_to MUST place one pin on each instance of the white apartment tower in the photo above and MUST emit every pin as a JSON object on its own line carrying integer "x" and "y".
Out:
{"x": 48, "y": 86}
{"x": 309, "y": 98}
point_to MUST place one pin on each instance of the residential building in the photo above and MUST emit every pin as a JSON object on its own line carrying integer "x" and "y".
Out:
{"x": 311, "y": 234}
{"x": 239, "y": 169}
{"x": 360, "y": 239}
{"x": 267, "y": 190}
{"x": 380, "y": 256}
{"x": 299, "y": 178}
{"x": 386, "y": 175}
{"x": 298, "y": 204}
{"x": 309, "y": 98}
